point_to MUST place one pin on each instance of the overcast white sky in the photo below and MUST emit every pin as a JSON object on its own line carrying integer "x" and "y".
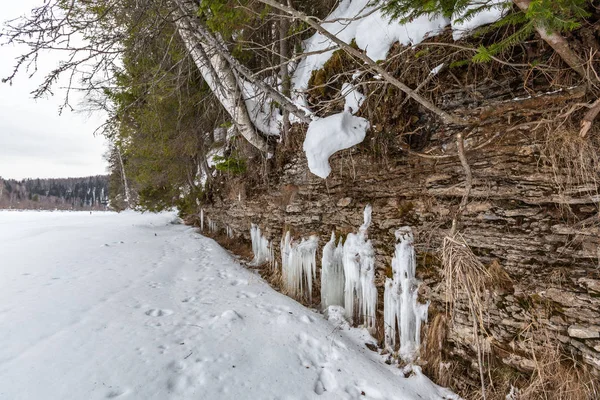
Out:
{"x": 35, "y": 142}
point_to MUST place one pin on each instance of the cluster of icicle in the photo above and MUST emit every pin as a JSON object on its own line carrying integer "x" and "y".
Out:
{"x": 348, "y": 280}
{"x": 212, "y": 225}
{"x": 299, "y": 265}
{"x": 261, "y": 247}
{"x": 332, "y": 274}
{"x": 401, "y": 307}
{"x": 358, "y": 259}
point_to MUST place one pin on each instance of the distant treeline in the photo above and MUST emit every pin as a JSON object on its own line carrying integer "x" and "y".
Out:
{"x": 89, "y": 193}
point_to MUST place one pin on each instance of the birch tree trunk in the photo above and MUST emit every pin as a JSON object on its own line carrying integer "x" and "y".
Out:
{"x": 284, "y": 51}
{"x": 219, "y": 76}
{"x": 123, "y": 176}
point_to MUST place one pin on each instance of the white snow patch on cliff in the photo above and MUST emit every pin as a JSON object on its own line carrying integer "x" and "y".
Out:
{"x": 329, "y": 135}
{"x": 488, "y": 14}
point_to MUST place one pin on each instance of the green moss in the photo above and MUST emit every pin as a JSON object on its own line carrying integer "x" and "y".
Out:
{"x": 405, "y": 208}
{"x": 230, "y": 164}
{"x": 339, "y": 62}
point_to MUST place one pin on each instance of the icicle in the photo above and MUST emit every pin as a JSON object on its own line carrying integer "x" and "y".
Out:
{"x": 271, "y": 256}
{"x": 400, "y": 299}
{"x": 359, "y": 273}
{"x": 300, "y": 268}
{"x": 202, "y": 220}
{"x": 390, "y": 313}
{"x": 332, "y": 274}
{"x": 285, "y": 249}
{"x": 229, "y": 232}
{"x": 212, "y": 226}
{"x": 261, "y": 247}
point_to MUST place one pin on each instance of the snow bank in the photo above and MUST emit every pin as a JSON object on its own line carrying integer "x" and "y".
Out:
{"x": 329, "y": 135}
{"x": 376, "y": 34}
{"x": 373, "y": 32}
{"x": 359, "y": 273}
{"x": 490, "y": 13}
{"x": 400, "y": 299}
{"x": 332, "y": 274}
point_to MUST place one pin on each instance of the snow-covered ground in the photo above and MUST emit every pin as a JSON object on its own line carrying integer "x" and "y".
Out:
{"x": 131, "y": 306}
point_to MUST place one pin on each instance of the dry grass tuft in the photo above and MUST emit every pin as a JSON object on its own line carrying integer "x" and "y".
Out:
{"x": 575, "y": 162}
{"x": 434, "y": 344}
{"x": 557, "y": 377}
{"x": 465, "y": 278}
{"x": 499, "y": 278}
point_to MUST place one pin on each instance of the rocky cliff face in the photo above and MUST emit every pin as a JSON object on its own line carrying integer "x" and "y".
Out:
{"x": 530, "y": 219}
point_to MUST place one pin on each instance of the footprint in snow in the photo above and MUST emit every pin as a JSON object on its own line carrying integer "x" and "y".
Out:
{"x": 157, "y": 312}
{"x": 231, "y": 315}
{"x": 224, "y": 274}
{"x": 113, "y": 394}
{"x": 246, "y": 295}
{"x": 239, "y": 282}
{"x": 326, "y": 382}
{"x": 307, "y": 319}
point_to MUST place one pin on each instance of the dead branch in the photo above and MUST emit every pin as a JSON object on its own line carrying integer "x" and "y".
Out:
{"x": 589, "y": 117}
{"x": 558, "y": 43}
{"x": 460, "y": 144}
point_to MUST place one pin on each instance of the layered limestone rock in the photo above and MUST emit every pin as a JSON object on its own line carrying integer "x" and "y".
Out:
{"x": 539, "y": 241}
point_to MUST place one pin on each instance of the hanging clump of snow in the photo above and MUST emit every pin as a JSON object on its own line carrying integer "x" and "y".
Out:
{"x": 400, "y": 299}
{"x": 360, "y": 293}
{"x": 261, "y": 247}
{"x": 300, "y": 268}
{"x": 326, "y": 136}
{"x": 332, "y": 274}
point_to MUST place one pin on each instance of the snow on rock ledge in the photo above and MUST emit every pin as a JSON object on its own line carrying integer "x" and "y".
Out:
{"x": 326, "y": 136}
{"x": 489, "y": 12}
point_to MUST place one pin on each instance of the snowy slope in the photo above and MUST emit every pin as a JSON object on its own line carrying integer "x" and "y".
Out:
{"x": 130, "y": 306}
